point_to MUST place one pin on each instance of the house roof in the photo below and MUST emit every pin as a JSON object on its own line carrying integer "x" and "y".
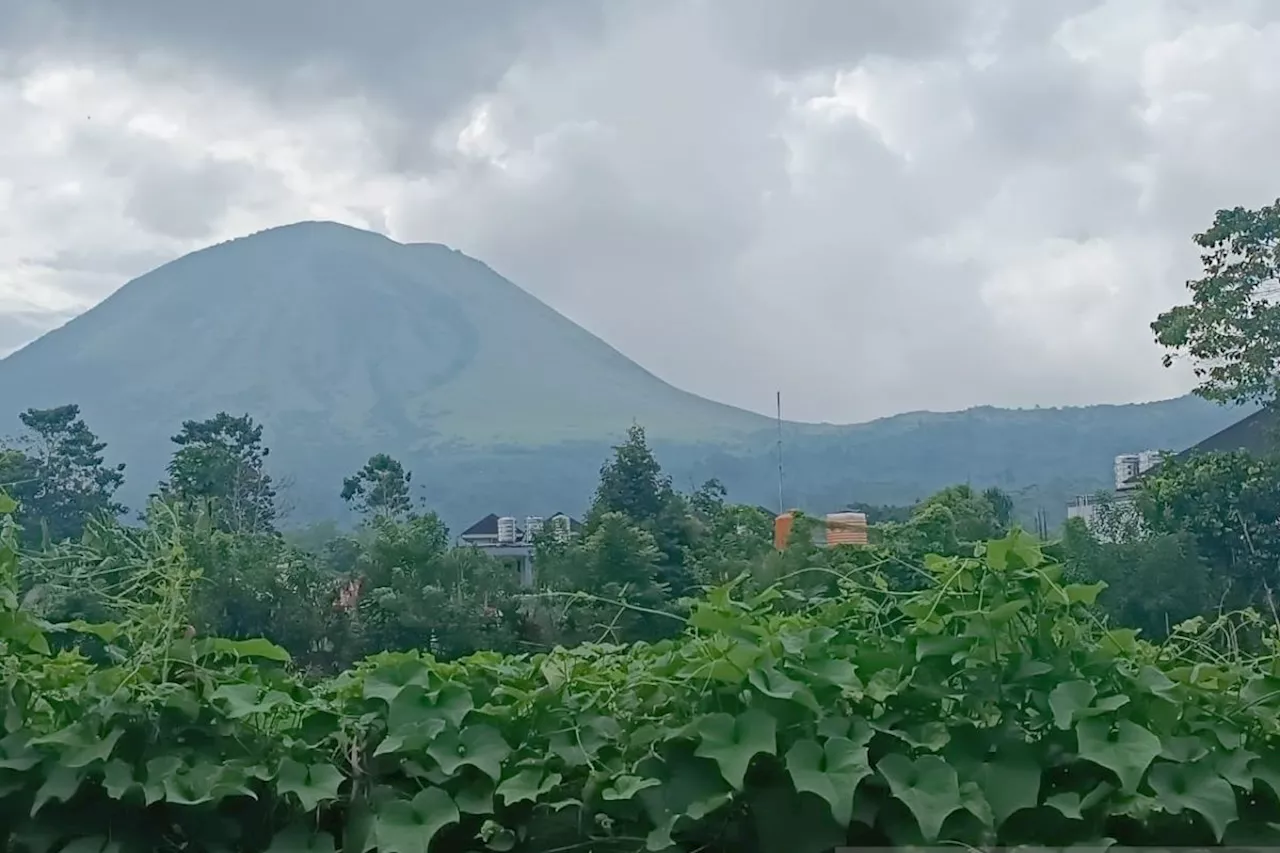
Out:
{"x": 487, "y": 526}
{"x": 1256, "y": 433}
{"x": 574, "y": 524}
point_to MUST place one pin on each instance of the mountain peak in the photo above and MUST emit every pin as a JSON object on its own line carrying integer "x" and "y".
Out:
{"x": 343, "y": 343}
{"x": 339, "y": 337}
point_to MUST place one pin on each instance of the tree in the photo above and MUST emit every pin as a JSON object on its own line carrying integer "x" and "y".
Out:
{"x": 380, "y": 488}
{"x": 1001, "y": 506}
{"x": 221, "y": 461}
{"x": 975, "y": 517}
{"x": 1153, "y": 583}
{"x": 632, "y": 482}
{"x": 1231, "y": 328}
{"x": 708, "y": 500}
{"x": 1229, "y": 504}
{"x": 64, "y": 480}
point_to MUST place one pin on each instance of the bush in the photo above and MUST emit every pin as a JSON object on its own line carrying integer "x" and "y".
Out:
{"x": 992, "y": 706}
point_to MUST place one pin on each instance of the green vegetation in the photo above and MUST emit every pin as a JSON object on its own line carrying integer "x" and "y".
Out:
{"x": 343, "y": 344}
{"x": 790, "y": 709}
{"x": 1229, "y": 329}
{"x": 195, "y": 680}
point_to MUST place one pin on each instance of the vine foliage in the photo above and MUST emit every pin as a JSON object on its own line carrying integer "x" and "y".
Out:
{"x": 989, "y": 706}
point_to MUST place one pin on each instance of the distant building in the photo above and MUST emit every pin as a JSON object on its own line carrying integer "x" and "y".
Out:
{"x": 837, "y": 528}
{"x": 1254, "y": 434}
{"x": 502, "y": 537}
{"x": 1119, "y": 502}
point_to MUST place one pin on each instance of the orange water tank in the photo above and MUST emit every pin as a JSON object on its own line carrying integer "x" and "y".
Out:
{"x": 782, "y": 530}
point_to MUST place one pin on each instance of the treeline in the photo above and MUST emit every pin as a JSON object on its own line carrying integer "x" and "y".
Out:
{"x": 1203, "y": 539}
{"x": 396, "y": 581}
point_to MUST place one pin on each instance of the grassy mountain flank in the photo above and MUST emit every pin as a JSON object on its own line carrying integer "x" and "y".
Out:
{"x": 343, "y": 343}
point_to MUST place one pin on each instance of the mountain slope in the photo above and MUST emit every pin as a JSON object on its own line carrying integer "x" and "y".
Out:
{"x": 343, "y": 343}
{"x": 322, "y": 324}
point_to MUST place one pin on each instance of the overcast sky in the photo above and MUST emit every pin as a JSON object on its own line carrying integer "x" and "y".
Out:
{"x": 872, "y": 205}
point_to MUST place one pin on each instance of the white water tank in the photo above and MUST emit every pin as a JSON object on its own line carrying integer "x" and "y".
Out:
{"x": 1127, "y": 467}
{"x": 506, "y": 530}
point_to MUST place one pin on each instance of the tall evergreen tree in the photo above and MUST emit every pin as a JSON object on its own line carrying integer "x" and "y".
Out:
{"x": 379, "y": 489}
{"x": 632, "y": 482}
{"x": 221, "y": 463}
{"x": 61, "y": 478}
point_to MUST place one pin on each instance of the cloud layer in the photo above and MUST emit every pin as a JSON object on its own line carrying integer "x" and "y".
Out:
{"x": 875, "y": 206}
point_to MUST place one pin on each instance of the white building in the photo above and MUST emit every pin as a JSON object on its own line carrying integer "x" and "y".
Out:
{"x": 502, "y": 537}
{"x": 1117, "y": 505}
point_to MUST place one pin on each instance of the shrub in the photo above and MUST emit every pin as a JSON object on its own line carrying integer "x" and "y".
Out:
{"x": 993, "y": 706}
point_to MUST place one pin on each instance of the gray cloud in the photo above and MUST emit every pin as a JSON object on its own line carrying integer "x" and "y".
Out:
{"x": 875, "y": 206}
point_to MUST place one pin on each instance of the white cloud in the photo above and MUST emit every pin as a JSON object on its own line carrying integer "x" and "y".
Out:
{"x": 876, "y": 212}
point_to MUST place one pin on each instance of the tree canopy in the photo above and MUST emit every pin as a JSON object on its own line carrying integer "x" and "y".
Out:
{"x": 1231, "y": 327}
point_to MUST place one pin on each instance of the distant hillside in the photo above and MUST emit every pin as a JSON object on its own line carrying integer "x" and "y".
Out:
{"x": 344, "y": 343}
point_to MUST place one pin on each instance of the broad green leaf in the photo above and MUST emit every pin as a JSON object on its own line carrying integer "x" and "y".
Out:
{"x": 1015, "y": 551}
{"x": 1183, "y": 749}
{"x": 1195, "y": 787}
{"x": 398, "y": 673}
{"x": 310, "y": 783}
{"x": 89, "y": 844}
{"x": 256, "y": 648}
{"x": 856, "y": 729}
{"x": 974, "y": 801}
{"x": 1120, "y": 641}
{"x": 1068, "y": 699}
{"x": 21, "y": 628}
{"x": 831, "y": 770}
{"x": 412, "y": 737}
{"x": 298, "y": 838}
{"x": 160, "y": 771}
{"x": 60, "y": 785}
{"x": 626, "y": 787}
{"x": 928, "y": 787}
{"x": 1067, "y": 803}
{"x": 1127, "y": 749}
{"x": 480, "y": 746}
{"x": 1235, "y": 767}
{"x": 732, "y": 742}
{"x": 940, "y": 646}
{"x": 1079, "y": 593}
{"x": 244, "y": 700}
{"x": 476, "y": 797}
{"x": 775, "y": 684}
{"x": 407, "y": 826}
{"x": 528, "y": 784}
{"x": 834, "y": 671}
{"x": 1004, "y": 612}
{"x": 413, "y": 705}
{"x": 105, "y": 631}
{"x": 1011, "y": 782}
{"x": 932, "y": 736}
{"x": 117, "y": 779}
{"x": 193, "y": 785}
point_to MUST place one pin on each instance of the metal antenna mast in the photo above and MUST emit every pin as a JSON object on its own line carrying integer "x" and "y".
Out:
{"x": 782, "y": 507}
